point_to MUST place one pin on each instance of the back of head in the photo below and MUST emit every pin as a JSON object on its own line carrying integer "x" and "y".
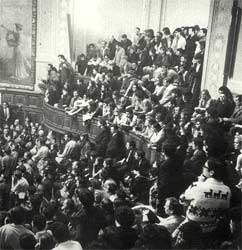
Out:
{"x": 124, "y": 216}
{"x": 60, "y": 232}
{"x": 189, "y": 236}
{"x": 218, "y": 168}
{"x": 154, "y": 237}
{"x": 39, "y": 222}
{"x": 27, "y": 241}
{"x": 86, "y": 197}
{"x": 169, "y": 148}
{"x": 46, "y": 241}
{"x": 17, "y": 215}
{"x": 175, "y": 206}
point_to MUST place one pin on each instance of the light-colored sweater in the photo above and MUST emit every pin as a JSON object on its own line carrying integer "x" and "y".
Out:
{"x": 208, "y": 200}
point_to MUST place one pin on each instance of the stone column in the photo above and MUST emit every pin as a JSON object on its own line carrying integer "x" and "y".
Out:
{"x": 216, "y": 45}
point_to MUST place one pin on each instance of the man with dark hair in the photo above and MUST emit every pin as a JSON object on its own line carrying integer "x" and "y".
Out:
{"x": 10, "y": 233}
{"x": 154, "y": 237}
{"x": 142, "y": 164}
{"x": 90, "y": 218}
{"x": 169, "y": 173}
{"x": 125, "y": 42}
{"x": 70, "y": 150}
{"x": 209, "y": 198}
{"x": 115, "y": 147}
{"x": 102, "y": 138}
{"x": 202, "y": 34}
{"x": 112, "y": 47}
{"x": 196, "y": 76}
{"x": 179, "y": 41}
{"x": 43, "y": 150}
{"x": 27, "y": 241}
{"x": 190, "y": 45}
{"x": 174, "y": 210}
{"x": 62, "y": 236}
{"x": 195, "y": 163}
{"x": 137, "y": 36}
{"x": 121, "y": 236}
{"x": 65, "y": 69}
{"x": 38, "y": 224}
{"x": 7, "y": 167}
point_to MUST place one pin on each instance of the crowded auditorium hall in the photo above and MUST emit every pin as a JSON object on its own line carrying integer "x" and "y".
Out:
{"x": 120, "y": 124}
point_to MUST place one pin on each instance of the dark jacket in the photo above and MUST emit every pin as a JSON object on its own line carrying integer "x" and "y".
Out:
{"x": 169, "y": 174}
{"x": 101, "y": 141}
{"x": 115, "y": 147}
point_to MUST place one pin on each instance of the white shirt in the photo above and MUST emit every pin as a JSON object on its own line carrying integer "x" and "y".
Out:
{"x": 68, "y": 245}
{"x": 179, "y": 43}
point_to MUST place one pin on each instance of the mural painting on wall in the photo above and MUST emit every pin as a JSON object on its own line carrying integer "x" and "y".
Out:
{"x": 16, "y": 42}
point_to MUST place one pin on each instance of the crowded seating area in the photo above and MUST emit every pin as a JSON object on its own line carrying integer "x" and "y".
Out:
{"x": 72, "y": 191}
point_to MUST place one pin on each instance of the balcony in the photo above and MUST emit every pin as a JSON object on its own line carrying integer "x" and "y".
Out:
{"x": 57, "y": 120}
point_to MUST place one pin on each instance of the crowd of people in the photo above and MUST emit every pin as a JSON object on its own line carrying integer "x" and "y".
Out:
{"x": 79, "y": 193}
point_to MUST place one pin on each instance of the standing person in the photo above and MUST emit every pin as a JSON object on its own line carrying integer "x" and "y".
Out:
{"x": 197, "y": 69}
{"x": 119, "y": 54}
{"x": 21, "y": 66}
{"x": 102, "y": 138}
{"x": 5, "y": 113}
{"x": 179, "y": 41}
{"x": 81, "y": 64}
{"x": 169, "y": 172}
{"x": 125, "y": 42}
{"x": 191, "y": 45}
{"x": 137, "y": 36}
{"x": 112, "y": 47}
{"x": 115, "y": 147}
{"x": 65, "y": 69}
{"x": 90, "y": 217}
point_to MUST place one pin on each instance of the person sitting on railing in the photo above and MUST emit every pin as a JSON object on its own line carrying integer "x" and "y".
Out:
{"x": 80, "y": 104}
{"x": 92, "y": 110}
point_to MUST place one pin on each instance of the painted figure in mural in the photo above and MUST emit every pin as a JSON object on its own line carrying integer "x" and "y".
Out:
{"x": 21, "y": 66}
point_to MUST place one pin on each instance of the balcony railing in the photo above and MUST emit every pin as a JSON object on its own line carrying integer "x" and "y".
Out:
{"x": 57, "y": 120}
